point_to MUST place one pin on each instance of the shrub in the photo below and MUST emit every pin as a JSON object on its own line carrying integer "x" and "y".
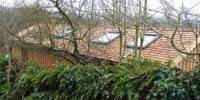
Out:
{"x": 140, "y": 66}
{"x": 130, "y": 77}
{"x": 23, "y": 85}
{"x": 92, "y": 83}
{"x": 3, "y": 63}
{"x": 125, "y": 83}
{"x": 194, "y": 84}
{"x": 129, "y": 81}
{"x": 55, "y": 83}
{"x": 168, "y": 84}
{"x": 3, "y": 85}
{"x": 3, "y": 60}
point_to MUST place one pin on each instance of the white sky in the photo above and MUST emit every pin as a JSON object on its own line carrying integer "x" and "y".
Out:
{"x": 152, "y": 4}
{"x": 177, "y": 4}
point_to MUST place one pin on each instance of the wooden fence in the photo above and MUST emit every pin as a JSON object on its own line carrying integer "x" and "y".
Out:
{"x": 45, "y": 58}
{"x": 1, "y": 50}
{"x": 187, "y": 65}
{"x": 50, "y": 59}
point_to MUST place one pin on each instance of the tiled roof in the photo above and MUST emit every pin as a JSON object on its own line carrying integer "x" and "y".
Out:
{"x": 160, "y": 50}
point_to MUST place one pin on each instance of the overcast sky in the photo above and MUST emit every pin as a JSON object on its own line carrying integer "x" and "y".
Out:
{"x": 177, "y": 3}
{"x": 152, "y": 4}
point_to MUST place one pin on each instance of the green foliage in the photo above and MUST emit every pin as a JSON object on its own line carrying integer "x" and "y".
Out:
{"x": 128, "y": 81}
{"x": 3, "y": 87}
{"x": 125, "y": 83}
{"x": 194, "y": 83}
{"x": 5, "y": 90}
{"x": 3, "y": 63}
{"x": 23, "y": 84}
{"x": 135, "y": 79}
{"x": 168, "y": 84}
{"x": 92, "y": 83}
{"x": 140, "y": 66}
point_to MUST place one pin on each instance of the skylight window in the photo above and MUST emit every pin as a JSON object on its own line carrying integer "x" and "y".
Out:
{"x": 66, "y": 32}
{"x": 149, "y": 38}
{"x": 151, "y": 33}
{"x": 106, "y": 38}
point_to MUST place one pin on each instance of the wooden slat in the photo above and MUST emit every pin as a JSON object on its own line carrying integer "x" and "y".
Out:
{"x": 46, "y": 59}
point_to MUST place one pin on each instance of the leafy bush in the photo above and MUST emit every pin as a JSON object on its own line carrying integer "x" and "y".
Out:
{"x": 168, "y": 84}
{"x": 45, "y": 83}
{"x": 79, "y": 82}
{"x": 23, "y": 84}
{"x": 126, "y": 83}
{"x": 159, "y": 81}
{"x": 3, "y": 63}
{"x": 130, "y": 77}
{"x": 92, "y": 83}
{"x": 194, "y": 83}
{"x": 3, "y": 60}
{"x": 140, "y": 66}
{"x": 3, "y": 85}
{"x": 136, "y": 80}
